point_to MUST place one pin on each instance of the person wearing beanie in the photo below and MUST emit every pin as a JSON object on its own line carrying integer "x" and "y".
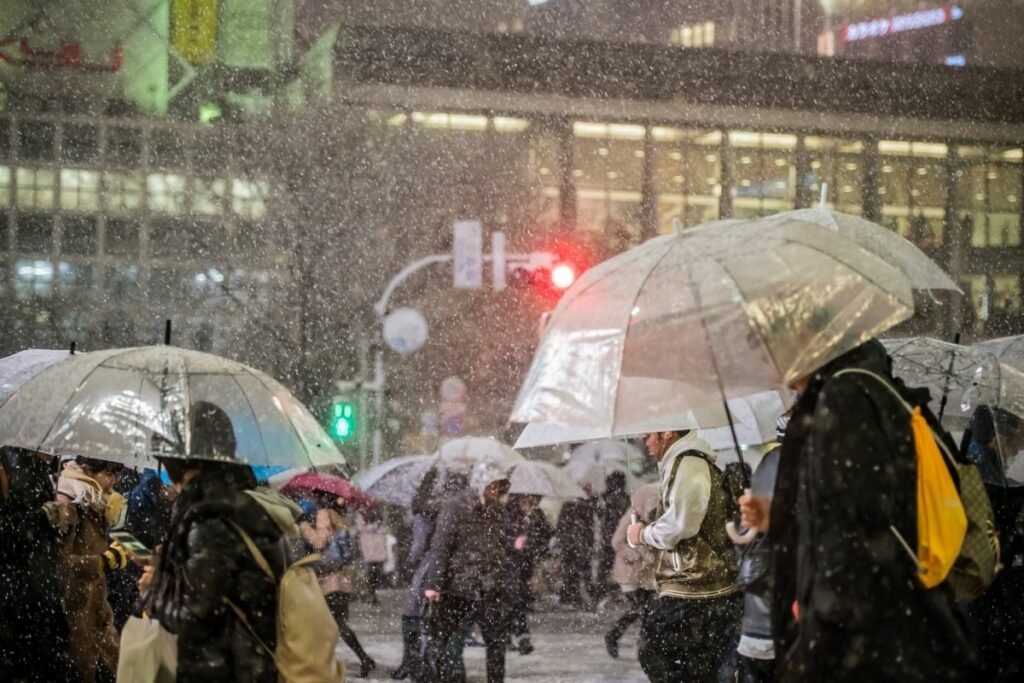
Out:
{"x": 467, "y": 569}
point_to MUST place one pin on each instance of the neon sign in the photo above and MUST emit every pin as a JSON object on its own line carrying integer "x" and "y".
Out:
{"x": 900, "y": 23}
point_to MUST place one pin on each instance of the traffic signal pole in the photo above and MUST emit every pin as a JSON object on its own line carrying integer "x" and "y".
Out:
{"x": 499, "y": 259}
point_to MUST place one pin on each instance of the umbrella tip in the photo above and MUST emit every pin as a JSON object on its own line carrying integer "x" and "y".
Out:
{"x": 73, "y": 344}
{"x": 678, "y": 225}
{"x": 167, "y": 332}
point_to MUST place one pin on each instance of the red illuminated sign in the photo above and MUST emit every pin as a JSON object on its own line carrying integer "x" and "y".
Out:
{"x": 899, "y": 23}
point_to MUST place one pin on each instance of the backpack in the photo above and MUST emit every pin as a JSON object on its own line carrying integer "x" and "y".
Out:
{"x": 306, "y": 631}
{"x": 957, "y": 542}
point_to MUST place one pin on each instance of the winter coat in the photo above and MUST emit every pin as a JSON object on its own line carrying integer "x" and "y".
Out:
{"x": 695, "y": 556}
{"x": 537, "y": 529}
{"x": 422, "y": 531}
{"x": 373, "y": 541}
{"x": 846, "y": 474}
{"x": 205, "y": 561}
{"x": 754, "y": 576}
{"x": 330, "y": 539}
{"x": 469, "y": 551}
{"x": 81, "y": 528}
{"x": 634, "y": 567}
{"x": 34, "y": 640}
{"x": 575, "y": 529}
{"x": 148, "y": 513}
{"x": 990, "y": 465}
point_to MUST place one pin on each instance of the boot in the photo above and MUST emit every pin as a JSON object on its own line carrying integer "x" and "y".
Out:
{"x": 611, "y": 643}
{"x": 410, "y": 640}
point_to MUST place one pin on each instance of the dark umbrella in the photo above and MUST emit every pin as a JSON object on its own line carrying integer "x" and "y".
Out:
{"x": 316, "y": 482}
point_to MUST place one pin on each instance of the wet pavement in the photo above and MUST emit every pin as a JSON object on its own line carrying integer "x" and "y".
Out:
{"x": 569, "y": 645}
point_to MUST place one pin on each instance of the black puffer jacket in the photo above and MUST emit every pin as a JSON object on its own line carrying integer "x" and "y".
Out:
{"x": 205, "y": 560}
{"x": 848, "y": 472}
{"x": 34, "y": 639}
{"x": 469, "y": 551}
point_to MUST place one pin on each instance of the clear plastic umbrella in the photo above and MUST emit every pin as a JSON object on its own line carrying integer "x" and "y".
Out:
{"x": 20, "y": 367}
{"x": 542, "y": 479}
{"x": 395, "y": 481}
{"x": 667, "y": 328}
{"x": 884, "y": 243}
{"x": 463, "y": 453}
{"x": 129, "y": 405}
{"x": 968, "y": 376}
{"x": 590, "y": 464}
{"x": 1009, "y": 350}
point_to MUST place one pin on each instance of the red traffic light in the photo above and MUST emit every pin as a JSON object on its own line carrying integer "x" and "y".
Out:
{"x": 562, "y": 276}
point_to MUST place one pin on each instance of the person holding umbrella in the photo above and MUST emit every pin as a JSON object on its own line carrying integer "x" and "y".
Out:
{"x": 328, "y": 535}
{"x": 205, "y": 560}
{"x": 846, "y": 600}
{"x": 467, "y": 570}
{"x": 686, "y": 632}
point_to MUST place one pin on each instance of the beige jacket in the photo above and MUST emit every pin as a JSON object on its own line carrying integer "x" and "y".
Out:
{"x": 634, "y": 567}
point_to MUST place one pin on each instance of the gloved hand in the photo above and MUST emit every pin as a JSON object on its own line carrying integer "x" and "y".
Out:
{"x": 115, "y": 557}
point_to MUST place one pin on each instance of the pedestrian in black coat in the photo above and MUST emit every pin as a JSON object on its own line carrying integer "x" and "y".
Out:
{"x": 531, "y": 532}
{"x": 614, "y": 503}
{"x": 575, "y": 537}
{"x": 34, "y": 638}
{"x": 205, "y": 560}
{"x": 846, "y": 601}
{"x": 467, "y": 569}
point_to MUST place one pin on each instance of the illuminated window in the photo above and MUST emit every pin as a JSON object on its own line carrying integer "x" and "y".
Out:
{"x": 248, "y": 197}
{"x": 835, "y": 173}
{"x": 5, "y": 185}
{"x": 33, "y": 278}
{"x": 694, "y": 35}
{"x": 988, "y": 186}
{"x": 79, "y": 190}
{"x": 452, "y": 121}
{"x": 122, "y": 191}
{"x": 764, "y": 172}
{"x": 166, "y": 192}
{"x": 913, "y": 189}
{"x": 35, "y": 188}
{"x": 208, "y": 196}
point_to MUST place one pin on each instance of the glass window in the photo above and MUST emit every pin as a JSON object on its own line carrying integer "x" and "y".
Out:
{"x": 35, "y": 188}
{"x": 5, "y": 232}
{"x": 544, "y": 169}
{"x": 168, "y": 287}
{"x": 764, "y": 173}
{"x": 35, "y": 232}
{"x": 168, "y": 237}
{"x": 5, "y": 186}
{"x": 124, "y": 146}
{"x": 166, "y": 192}
{"x": 75, "y": 276}
{"x": 912, "y": 183}
{"x": 167, "y": 149}
{"x": 121, "y": 237}
{"x": 78, "y": 235}
{"x": 122, "y": 282}
{"x": 687, "y": 175}
{"x": 33, "y": 278}
{"x": 122, "y": 192}
{"x": 835, "y": 165}
{"x": 79, "y": 189}
{"x": 248, "y": 197}
{"x": 988, "y": 185}
{"x": 208, "y": 196}
{"x": 80, "y": 143}
{"x": 609, "y": 160}
{"x": 35, "y": 140}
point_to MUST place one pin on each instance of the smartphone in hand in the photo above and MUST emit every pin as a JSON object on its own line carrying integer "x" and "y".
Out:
{"x": 133, "y": 545}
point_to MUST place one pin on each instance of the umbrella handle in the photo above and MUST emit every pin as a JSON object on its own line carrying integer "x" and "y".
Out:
{"x": 744, "y": 537}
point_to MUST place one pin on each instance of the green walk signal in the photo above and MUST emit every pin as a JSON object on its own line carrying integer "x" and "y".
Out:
{"x": 343, "y": 421}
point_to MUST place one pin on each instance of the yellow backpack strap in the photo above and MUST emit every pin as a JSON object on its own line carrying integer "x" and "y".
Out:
{"x": 261, "y": 561}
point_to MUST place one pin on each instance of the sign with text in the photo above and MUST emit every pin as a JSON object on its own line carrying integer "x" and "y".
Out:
{"x": 468, "y": 255}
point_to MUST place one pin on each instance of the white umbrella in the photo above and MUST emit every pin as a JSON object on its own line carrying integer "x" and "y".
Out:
{"x": 542, "y": 479}
{"x": 754, "y": 420}
{"x": 590, "y": 464}
{"x": 1009, "y": 350}
{"x": 128, "y": 405}
{"x": 639, "y": 337}
{"x": 463, "y": 453}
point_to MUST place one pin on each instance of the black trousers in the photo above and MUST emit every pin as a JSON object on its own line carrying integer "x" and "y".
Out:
{"x": 638, "y": 601}
{"x": 575, "y": 572}
{"x": 338, "y": 604}
{"x": 687, "y": 640}
{"x": 447, "y": 621}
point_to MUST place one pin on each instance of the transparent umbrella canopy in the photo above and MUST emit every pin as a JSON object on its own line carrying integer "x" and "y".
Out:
{"x": 639, "y": 337}
{"x": 1009, "y": 350}
{"x": 884, "y": 243}
{"x": 969, "y": 376}
{"x": 537, "y": 478}
{"x": 20, "y": 367}
{"x": 129, "y": 405}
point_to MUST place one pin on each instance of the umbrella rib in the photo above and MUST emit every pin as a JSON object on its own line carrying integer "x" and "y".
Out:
{"x": 288, "y": 419}
{"x": 625, "y": 336}
{"x": 255, "y": 418}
